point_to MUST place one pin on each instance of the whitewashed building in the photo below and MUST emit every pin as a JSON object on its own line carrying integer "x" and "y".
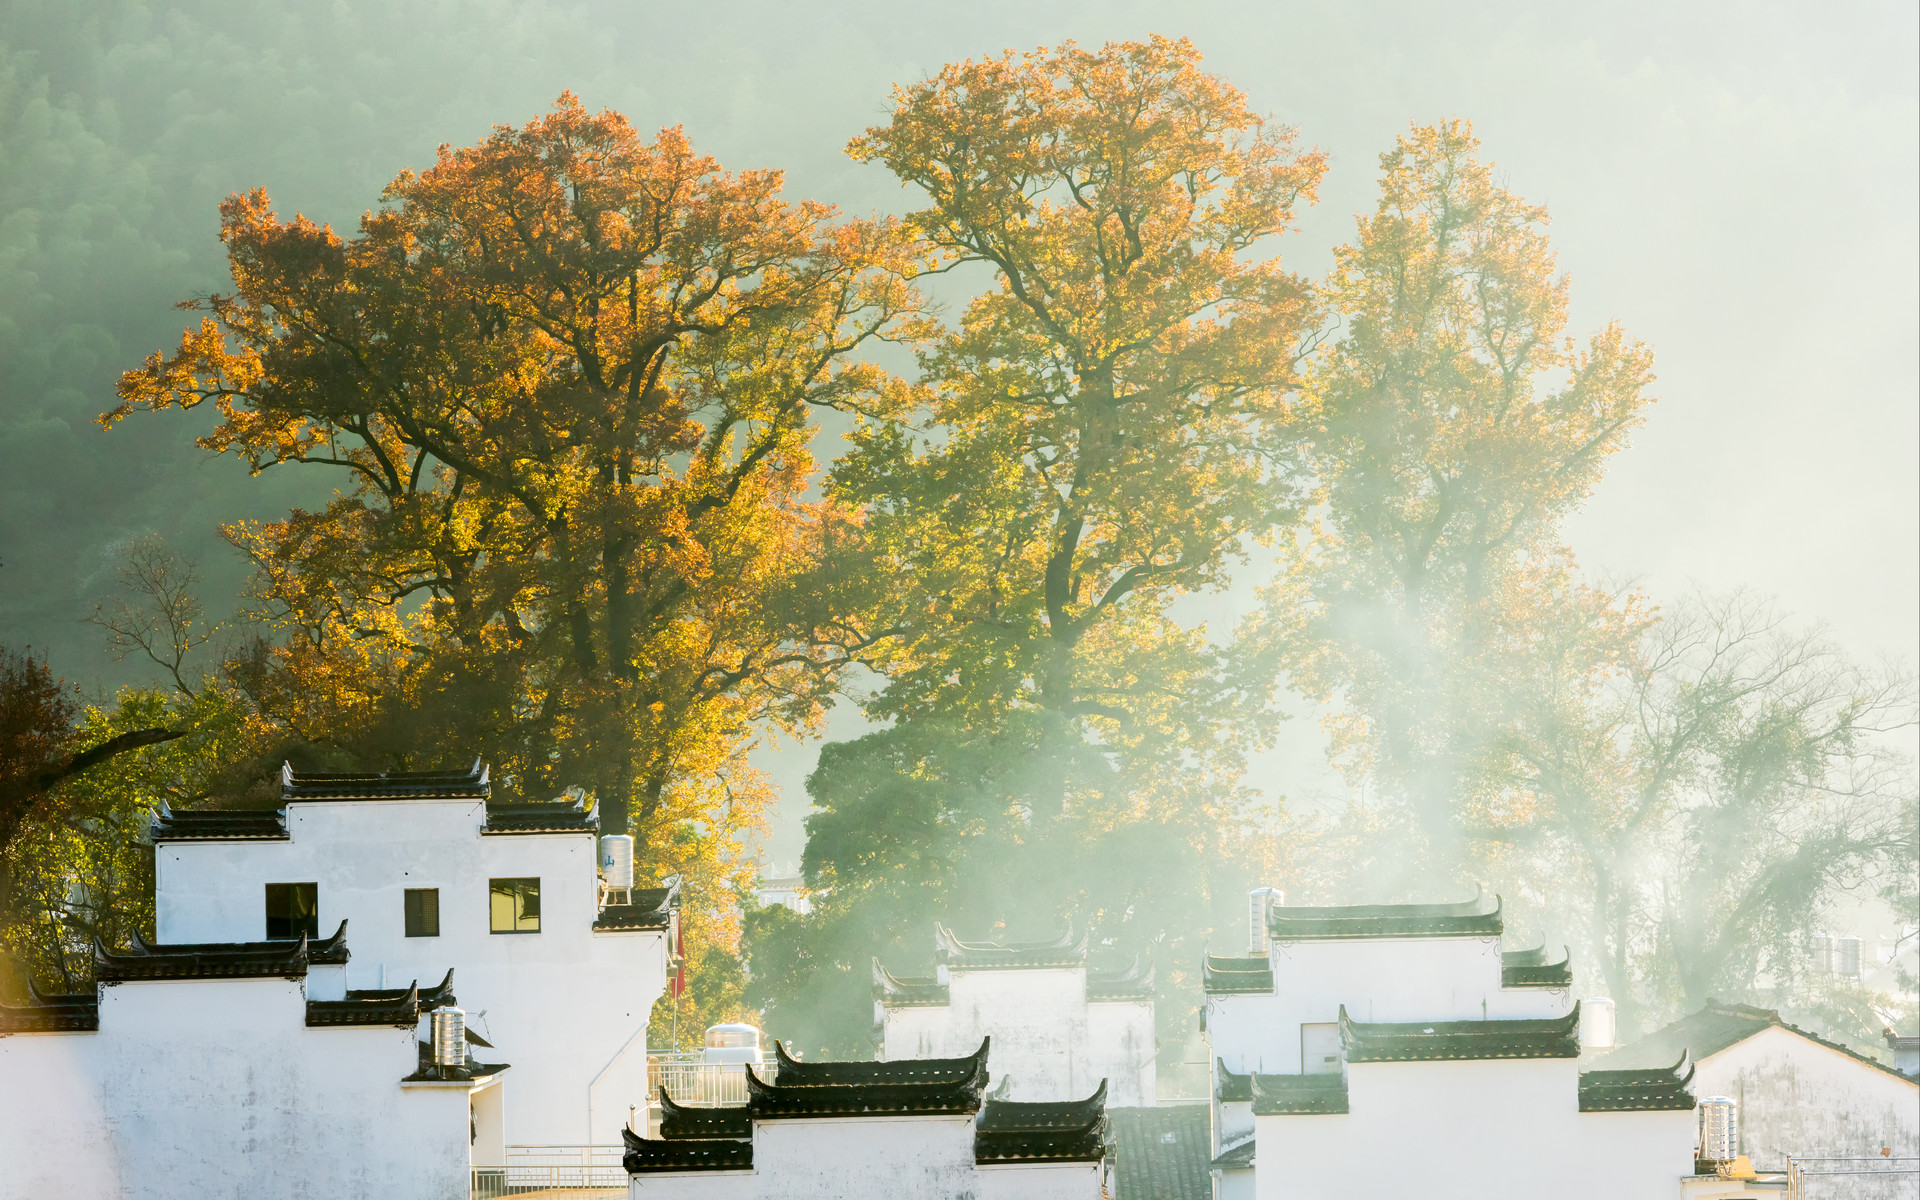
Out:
{"x": 243, "y": 1055}
{"x": 921, "y": 1128}
{"x": 557, "y": 970}
{"x": 1355, "y": 1047}
{"x": 237, "y": 1070}
{"x": 1060, "y": 1028}
{"x": 1796, "y": 1094}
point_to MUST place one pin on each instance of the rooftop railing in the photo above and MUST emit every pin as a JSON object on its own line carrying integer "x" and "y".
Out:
{"x": 693, "y": 1081}
{"x": 539, "y": 1172}
{"x": 1800, "y": 1170}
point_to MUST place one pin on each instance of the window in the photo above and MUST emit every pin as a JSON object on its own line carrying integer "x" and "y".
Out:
{"x": 423, "y": 912}
{"x": 293, "y": 909}
{"x": 516, "y": 905}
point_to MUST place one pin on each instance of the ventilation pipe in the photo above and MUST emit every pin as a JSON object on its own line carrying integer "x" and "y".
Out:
{"x": 1719, "y": 1130}
{"x": 1260, "y": 902}
{"x": 1597, "y": 1025}
{"x": 449, "y": 1031}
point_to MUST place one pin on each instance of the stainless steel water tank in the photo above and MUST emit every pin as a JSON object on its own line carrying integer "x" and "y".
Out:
{"x": 732, "y": 1042}
{"x": 1597, "y": 1022}
{"x": 1719, "y": 1129}
{"x": 449, "y": 1029}
{"x": 616, "y": 861}
{"x": 1823, "y": 954}
{"x": 1846, "y": 957}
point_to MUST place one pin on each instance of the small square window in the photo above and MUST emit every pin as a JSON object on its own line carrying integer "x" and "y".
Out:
{"x": 423, "y": 912}
{"x": 515, "y": 905}
{"x": 293, "y": 909}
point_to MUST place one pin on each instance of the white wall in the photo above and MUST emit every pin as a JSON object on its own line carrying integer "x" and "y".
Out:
{"x": 204, "y": 1089}
{"x": 1471, "y": 1130}
{"x": 1047, "y": 1039}
{"x": 1801, "y": 1098}
{"x": 853, "y": 1158}
{"x": 1378, "y": 979}
{"x": 559, "y": 1004}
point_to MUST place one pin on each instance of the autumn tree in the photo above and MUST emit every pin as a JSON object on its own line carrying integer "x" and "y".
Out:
{"x": 566, "y": 380}
{"x": 1454, "y": 425}
{"x": 1109, "y": 424}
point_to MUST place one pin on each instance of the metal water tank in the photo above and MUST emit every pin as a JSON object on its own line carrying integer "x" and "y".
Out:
{"x": 733, "y": 1042}
{"x": 449, "y": 1030}
{"x": 616, "y": 861}
{"x": 1597, "y": 1024}
{"x": 1260, "y": 902}
{"x": 1719, "y": 1129}
{"x": 1823, "y": 954}
{"x": 1846, "y": 957}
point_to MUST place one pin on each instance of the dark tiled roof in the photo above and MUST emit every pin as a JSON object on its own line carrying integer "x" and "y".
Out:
{"x": 1713, "y": 1029}
{"x": 851, "y": 1089}
{"x": 1231, "y": 1087}
{"x": 218, "y": 960}
{"x": 647, "y": 1156}
{"x": 1299, "y": 1095}
{"x": 470, "y": 784}
{"x": 551, "y": 816}
{"x": 1237, "y": 1157}
{"x": 1530, "y": 968}
{"x": 1161, "y": 1152}
{"x": 679, "y": 1122}
{"x": 57, "y": 1012}
{"x": 1068, "y": 1131}
{"x": 1135, "y": 982}
{"x": 1010, "y": 1116}
{"x": 1430, "y": 1041}
{"x": 1063, "y": 951}
{"x": 219, "y": 825}
{"x": 382, "y": 1006}
{"x": 1236, "y": 976}
{"x": 894, "y": 992}
{"x": 1651, "y": 1090}
{"x": 1289, "y": 923}
{"x": 646, "y": 908}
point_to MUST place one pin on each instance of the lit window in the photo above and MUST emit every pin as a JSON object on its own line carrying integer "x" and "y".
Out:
{"x": 516, "y": 905}
{"x": 293, "y": 909}
{"x": 423, "y": 912}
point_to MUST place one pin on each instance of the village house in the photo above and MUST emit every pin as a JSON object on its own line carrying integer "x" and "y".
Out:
{"x": 924, "y": 1128}
{"x": 1796, "y": 1094}
{"x": 1060, "y": 1027}
{"x": 1355, "y": 1048}
{"x": 244, "y": 1054}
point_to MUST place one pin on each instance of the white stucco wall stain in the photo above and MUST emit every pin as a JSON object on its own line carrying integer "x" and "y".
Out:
{"x": 1801, "y": 1098}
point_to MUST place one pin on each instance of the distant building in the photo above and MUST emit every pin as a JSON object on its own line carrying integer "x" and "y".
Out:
{"x": 1797, "y": 1094}
{"x": 921, "y": 1128}
{"x": 1059, "y": 1027}
{"x": 788, "y": 891}
{"x": 1905, "y": 1051}
{"x": 1382, "y": 1050}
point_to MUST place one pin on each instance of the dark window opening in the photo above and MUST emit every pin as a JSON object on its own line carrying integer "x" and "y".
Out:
{"x": 423, "y": 912}
{"x": 515, "y": 905}
{"x": 293, "y": 909}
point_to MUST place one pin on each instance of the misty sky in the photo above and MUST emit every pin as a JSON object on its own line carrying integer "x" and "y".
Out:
{"x": 1734, "y": 182}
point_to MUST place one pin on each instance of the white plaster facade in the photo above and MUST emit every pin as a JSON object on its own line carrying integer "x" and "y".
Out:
{"x": 1056, "y": 1035}
{"x": 1469, "y": 1131}
{"x": 1433, "y": 978}
{"x": 568, "y": 1006}
{"x": 1799, "y": 1097}
{"x": 202, "y": 1089}
{"x": 839, "y": 1158}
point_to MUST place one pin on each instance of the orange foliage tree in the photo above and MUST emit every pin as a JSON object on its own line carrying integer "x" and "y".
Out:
{"x": 567, "y": 379}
